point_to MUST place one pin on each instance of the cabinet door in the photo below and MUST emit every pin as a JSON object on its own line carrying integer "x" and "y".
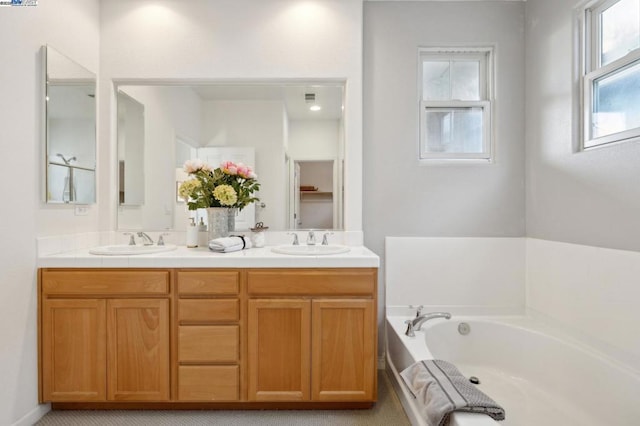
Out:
{"x": 343, "y": 350}
{"x": 74, "y": 350}
{"x": 138, "y": 349}
{"x": 279, "y": 349}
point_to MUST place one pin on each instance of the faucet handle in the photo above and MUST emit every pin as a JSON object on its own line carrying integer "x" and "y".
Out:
{"x": 418, "y": 309}
{"x": 132, "y": 240}
{"x": 409, "y": 331}
{"x": 295, "y": 238}
{"x": 160, "y": 239}
{"x": 325, "y": 240}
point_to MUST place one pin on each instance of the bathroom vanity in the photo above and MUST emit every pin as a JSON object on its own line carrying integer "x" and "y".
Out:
{"x": 258, "y": 334}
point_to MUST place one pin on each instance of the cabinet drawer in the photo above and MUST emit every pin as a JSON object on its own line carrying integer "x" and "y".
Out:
{"x": 208, "y": 343}
{"x": 105, "y": 282}
{"x": 204, "y": 282}
{"x": 313, "y": 282}
{"x": 207, "y": 310}
{"x": 208, "y": 383}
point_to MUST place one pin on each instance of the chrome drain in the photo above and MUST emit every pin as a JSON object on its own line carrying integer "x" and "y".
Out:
{"x": 464, "y": 328}
{"x": 474, "y": 380}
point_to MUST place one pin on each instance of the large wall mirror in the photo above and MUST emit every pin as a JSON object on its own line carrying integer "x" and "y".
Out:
{"x": 292, "y": 134}
{"x": 70, "y": 130}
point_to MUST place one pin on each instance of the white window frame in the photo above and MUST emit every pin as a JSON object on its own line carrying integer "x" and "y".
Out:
{"x": 592, "y": 71}
{"x": 485, "y": 56}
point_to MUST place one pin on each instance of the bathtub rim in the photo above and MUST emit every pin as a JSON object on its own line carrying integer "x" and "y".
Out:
{"x": 406, "y": 399}
{"x": 417, "y": 349}
{"x": 528, "y": 320}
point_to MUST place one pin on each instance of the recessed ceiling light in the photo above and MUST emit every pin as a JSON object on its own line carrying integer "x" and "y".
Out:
{"x": 315, "y": 108}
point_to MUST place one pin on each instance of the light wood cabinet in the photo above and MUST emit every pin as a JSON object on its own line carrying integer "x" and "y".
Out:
{"x": 209, "y": 325}
{"x": 279, "y": 350}
{"x": 74, "y": 350}
{"x": 138, "y": 349}
{"x": 234, "y": 338}
{"x": 343, "y": 350}
{"x": 319, "y": 345}
{"x": 105, "y": 336}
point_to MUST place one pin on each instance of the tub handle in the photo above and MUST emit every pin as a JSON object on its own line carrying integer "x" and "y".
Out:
{"x": 409, "y": 331}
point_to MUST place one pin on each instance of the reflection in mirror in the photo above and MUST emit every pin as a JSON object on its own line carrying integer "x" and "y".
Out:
{"x": 130, "y": 150}
{"x": 70, "y": 133}
{"x": 265, "y": 125}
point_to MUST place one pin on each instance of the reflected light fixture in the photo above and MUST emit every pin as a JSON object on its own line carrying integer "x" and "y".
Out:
{"x": 310, "y": 98}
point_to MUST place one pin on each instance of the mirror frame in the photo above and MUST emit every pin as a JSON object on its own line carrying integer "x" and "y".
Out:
{"x": 46, "y": 142}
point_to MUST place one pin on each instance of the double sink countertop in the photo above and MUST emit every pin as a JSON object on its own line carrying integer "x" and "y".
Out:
{"x": 202, "y": 257}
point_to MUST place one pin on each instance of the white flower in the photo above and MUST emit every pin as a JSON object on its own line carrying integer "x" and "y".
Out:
{"x": 192, "y": 166}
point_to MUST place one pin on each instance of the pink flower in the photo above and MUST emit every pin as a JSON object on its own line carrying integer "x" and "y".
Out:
{"x": 243, "y": 170}
{"x": 229, "y": 167}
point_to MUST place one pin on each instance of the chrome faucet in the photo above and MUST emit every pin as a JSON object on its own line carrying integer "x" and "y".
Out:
{"x": 325, "y": 240}
{"x": 145, "y": 238}
{"x": 161, "y": 239}
{"x": 295, "y": 238}
{"x": 132, "y": 239}
{"x": 311, "y": 238}
{"x": 416, "y": 323}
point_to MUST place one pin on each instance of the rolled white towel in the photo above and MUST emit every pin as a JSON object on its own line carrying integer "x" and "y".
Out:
{"x": 229, "y": 244}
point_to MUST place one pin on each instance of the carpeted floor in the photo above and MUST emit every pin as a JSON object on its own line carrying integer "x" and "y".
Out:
{"x": 387, "y": 412}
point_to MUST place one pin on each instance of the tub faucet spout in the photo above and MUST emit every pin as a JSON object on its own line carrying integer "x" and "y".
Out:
{"x": 416, "y": 323}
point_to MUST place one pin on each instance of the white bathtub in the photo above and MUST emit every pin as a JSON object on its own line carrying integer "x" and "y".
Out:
{"x": 539, "y": 376}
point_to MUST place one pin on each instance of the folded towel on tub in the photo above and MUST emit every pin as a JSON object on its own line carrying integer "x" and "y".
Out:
{"x": 440, "y": 389}
{"x": 229, "y": 244}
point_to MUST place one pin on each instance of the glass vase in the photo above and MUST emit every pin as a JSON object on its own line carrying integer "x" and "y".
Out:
{"x": 218, "y": 222}
{"x": 233, "y": 212}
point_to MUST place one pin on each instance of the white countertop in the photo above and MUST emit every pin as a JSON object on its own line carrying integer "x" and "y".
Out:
{"x": 202, "y": 257}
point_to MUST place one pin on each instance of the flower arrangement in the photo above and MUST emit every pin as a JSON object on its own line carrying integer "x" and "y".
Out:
{"x": 230, "y": 185}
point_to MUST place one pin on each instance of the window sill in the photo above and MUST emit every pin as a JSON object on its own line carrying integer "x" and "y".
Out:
{"x": 454, "y": 161}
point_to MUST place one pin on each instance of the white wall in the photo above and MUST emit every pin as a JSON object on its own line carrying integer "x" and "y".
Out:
{"x": 591, "y": 291}
{"x": 439, "y": 200}
{"x": 458, "y": 274}
{"x": 236, "y": 40}
{"x": 402, "y": 197}
{"x": 226, "y": 124}
{"x": 588, "y": 197}
{"x": 168, "y": 112}
{"x": 23, "y": 30}
{"x": 314, "y": 139}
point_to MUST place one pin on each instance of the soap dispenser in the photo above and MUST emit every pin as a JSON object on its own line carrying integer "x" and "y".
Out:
{"x": 192, "y": 234}
{"x": 203, "y": 235}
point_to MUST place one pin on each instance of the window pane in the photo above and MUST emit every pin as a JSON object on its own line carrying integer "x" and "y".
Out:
{"x": 465, "y": 76}
{"x": 435, "y": 75}
{"x": 454, "y": 130}
{"x": 616, "y": 107}
{"x": 620, "y": 25}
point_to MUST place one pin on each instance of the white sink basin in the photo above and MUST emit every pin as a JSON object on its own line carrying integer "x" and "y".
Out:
{"x": 305, "y": 250}
{"x": 127, "y": 250}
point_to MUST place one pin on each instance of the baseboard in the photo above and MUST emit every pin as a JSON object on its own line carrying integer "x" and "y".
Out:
{"x": 33, "y": 416}
{"x": 381, "y": 362}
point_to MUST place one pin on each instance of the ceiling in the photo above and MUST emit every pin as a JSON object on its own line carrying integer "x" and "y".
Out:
{"x": 328, "y": 95}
